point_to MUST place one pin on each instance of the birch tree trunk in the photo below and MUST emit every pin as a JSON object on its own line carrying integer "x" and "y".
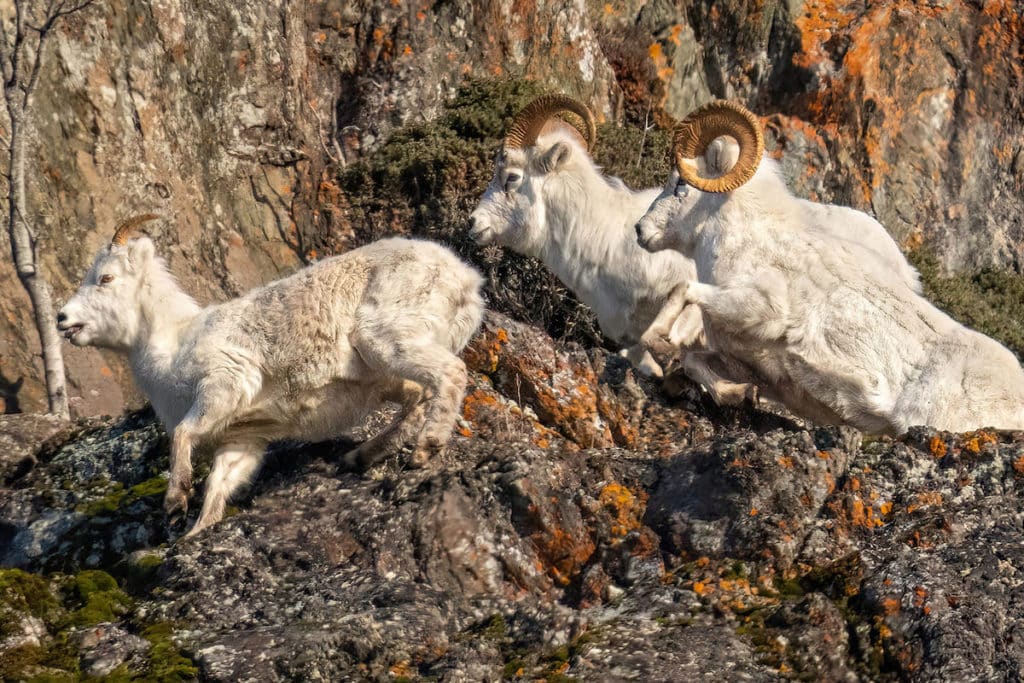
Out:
{"x": 21, "y": 62}
{"x": 26, "y": 262}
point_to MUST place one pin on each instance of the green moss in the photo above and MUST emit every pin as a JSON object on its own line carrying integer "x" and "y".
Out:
{"x": 99, "y": 596}
{"x": 26, "y": 593}
{"x": 119, "y": 497}
{"x": 496, "y": 628}
{"x": 561, "y": 654}
{"x": 990, "y": 300}
{"x": 512, "y": 668}
{"x": 61, "y": 656}
{"x": 16, "y": 660}
{"x": 166, "y": 663}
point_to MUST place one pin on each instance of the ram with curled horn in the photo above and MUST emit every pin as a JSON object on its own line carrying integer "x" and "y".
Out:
{"x": 817, "y": 300}
{"x": 549, "y": 200}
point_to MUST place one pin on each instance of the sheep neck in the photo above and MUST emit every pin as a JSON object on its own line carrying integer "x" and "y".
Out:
{"x": 165, "y": 313}
{"x": 586, "y": 236}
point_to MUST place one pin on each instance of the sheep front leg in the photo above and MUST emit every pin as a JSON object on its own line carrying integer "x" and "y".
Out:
{"x": 406, "y": 425}
{"x": 641, "y": 359}
{"x": 755, "y": 308}
{"x": 179, "y": 483}
{"x": 218, "y": 399}
{"x": 390, "y": 350}
{"x": 655, "y": 338}
{"x": 724, "y": 392}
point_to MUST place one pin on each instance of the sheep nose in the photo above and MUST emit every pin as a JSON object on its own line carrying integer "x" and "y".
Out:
{"x": 472, "y": 223}
{"x": 639, "y": 232}
{"x": 61, "y": 317}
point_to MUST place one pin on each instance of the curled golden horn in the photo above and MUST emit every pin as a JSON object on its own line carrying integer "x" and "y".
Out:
{"x": 526, "y": 126}
{"x": 125, "y": 229}
{"x": 695, "y": 133}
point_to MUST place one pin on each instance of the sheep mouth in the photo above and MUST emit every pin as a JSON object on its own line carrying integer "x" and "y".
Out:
{"x": 71, "y": 331}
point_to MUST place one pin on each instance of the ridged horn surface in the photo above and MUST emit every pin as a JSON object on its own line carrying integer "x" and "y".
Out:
{"x": 527, "y": 124}
{"x": 125, "y": 230}
{"x": 693, "y": 135}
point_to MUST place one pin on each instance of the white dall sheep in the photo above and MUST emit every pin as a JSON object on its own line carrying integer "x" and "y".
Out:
{"x": 813, "y": 309}
{"x": 549, "y": 200}
{"x": 305, "y": 357}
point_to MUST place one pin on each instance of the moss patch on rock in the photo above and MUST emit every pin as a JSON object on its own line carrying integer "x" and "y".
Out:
{"x": 21, "y": 592}
{"x": 166, "y": 663}
{"x": 99, "y": 597}
{"x": 119, "y": 497}
{"x": 64, "y": 603}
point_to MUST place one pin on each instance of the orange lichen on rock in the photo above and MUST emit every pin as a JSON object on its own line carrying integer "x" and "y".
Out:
{"x": 925, "y": 499}
{"x": 473, "y": 401}
{"x": 484, "y": 351}
{"x": 975, "y": 441}
{"x": 563, "y": 555}
{"x": 938, "y": 447}
{"x": 1018, "y": 465}
{"x": 627, "y": 509}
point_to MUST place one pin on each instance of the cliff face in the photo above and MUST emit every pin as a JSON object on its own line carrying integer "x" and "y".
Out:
{"x": 244, "y": 125}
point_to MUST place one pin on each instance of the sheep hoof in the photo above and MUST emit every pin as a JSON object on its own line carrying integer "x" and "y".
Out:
{"x": 356, "y": 459}
{"x": 176, "y": 502}
{"x": 423, "y": 453}
{"x": 753, "y": 395}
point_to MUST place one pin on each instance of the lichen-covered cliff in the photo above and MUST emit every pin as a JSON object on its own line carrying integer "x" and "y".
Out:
{"x": 261, "y": 130}
{"x": 582, "y": 526}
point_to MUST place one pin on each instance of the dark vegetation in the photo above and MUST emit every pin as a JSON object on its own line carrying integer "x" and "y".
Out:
{"x": 426, "y": 179}
{"x": 989, "y": 300}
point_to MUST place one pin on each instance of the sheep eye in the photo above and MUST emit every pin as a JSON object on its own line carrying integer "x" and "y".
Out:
{"x": 106, "y": 279}
{"x": 511, "y": 181}
{"x": 681, "y": 188}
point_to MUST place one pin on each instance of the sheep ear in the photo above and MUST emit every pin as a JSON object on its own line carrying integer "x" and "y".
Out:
{"x": 721, "y": 155}
{"x": 141, "y": 250}
{"x": 555, "y": 158}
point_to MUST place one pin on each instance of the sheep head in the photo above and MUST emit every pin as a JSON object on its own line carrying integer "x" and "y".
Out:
{"x": 717, "y": 149}
{"x": 105, "y": 310}
{"x": 537, "y": 144}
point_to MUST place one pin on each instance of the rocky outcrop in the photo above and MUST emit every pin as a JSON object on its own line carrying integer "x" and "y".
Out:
{"x": 579, "y": 527}
{"x": 259, "y": 131}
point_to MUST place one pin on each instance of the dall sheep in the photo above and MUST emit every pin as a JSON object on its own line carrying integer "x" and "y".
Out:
{"x": 817, "y": 311}
{"x": 547, "y": 199}
{"x": 305, "y": 357}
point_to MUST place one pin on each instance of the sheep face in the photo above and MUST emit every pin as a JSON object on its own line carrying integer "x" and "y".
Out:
{"x": 105, "y": 311}
{"x": 676, "y": 217}
{"x": 512, "y": 212}
{"x": 664, "y": 226}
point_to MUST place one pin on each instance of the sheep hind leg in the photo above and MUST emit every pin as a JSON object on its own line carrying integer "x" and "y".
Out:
{"x": 723, "y": 392}
{"x": 234, "y": 466}
{"x": 442, "y": 409}
{"x": 406, "y": 425}
{"x": 441, "y": 374}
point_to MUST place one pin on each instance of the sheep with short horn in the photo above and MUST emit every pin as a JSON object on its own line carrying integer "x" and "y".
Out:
{"x": 817, "y": 300}
{"x": 547, "y": 199}
{"x": 304, "y": 357}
